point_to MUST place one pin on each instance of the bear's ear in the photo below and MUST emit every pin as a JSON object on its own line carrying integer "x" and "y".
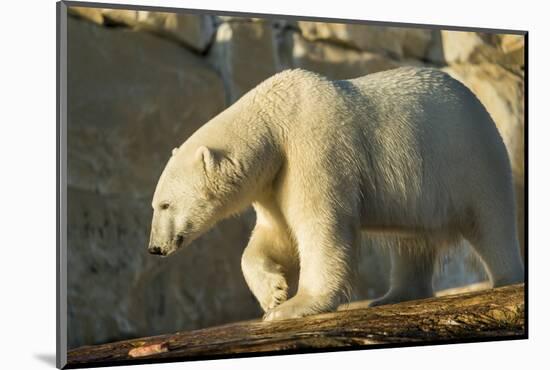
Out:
{"x": 206, "y": 156}
{"x": 174, "y": 151}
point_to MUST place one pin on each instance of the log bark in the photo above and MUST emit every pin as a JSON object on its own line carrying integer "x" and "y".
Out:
{"x": 473, "y": 316}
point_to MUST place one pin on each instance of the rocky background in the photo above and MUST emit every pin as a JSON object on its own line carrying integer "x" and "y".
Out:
{"x": 139, "y": 83}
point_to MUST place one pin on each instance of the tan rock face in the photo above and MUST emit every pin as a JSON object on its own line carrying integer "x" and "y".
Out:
{"x": 132, "y": 98}
{"x": 195, "y": 31}
{"x": 391, "y": 41}
{"x": 477, "y": 47}
{"x": 513, "y": 48}
{"x": 91, "y": 14}
{"x": 334, "y": 61}
{"x": 245, "y": 54}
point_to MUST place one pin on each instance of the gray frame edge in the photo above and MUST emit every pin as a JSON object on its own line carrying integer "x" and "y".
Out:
{"x": 292, "y": 17}
{"x": 61, "y": 188}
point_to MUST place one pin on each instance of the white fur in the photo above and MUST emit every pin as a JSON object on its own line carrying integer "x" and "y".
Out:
{"x": 409, "y": 152}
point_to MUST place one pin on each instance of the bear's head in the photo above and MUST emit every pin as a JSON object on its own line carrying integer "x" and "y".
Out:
{"x": 191, "y": 196}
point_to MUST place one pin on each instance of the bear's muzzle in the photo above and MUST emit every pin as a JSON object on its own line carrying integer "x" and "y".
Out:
{"x": 155, "y": 250}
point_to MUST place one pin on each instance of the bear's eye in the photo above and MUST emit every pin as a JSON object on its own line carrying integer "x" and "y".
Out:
{"x": 164, "y": 205}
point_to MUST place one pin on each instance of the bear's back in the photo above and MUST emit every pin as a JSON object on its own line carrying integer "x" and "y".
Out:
{"x": 411, "y": 89}
{"x": 424, "y": 101}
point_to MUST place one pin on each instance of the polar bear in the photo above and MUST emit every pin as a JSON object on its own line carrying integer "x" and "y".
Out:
{"x": 410, "y": 153}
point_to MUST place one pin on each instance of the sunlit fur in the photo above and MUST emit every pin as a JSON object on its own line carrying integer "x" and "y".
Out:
{"x": 410, "y": 153}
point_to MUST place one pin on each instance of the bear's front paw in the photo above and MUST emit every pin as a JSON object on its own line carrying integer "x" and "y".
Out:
{"x": 276, "y": 293}
{"x": 293, "y": 309}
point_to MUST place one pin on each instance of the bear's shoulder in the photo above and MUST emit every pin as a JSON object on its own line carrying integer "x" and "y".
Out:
{"x": 296, "y": 78}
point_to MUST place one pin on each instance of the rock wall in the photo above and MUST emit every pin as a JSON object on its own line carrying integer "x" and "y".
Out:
{"x": 139, "y": 83}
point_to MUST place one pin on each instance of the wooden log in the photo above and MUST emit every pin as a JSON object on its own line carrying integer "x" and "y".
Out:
{"x": 455, "y": 318}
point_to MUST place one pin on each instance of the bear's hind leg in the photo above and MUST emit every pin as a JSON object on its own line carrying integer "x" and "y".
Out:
{"x": 496, "y": 243}
{"x": 267, "y": 271}
{"x": 411, "y": 272}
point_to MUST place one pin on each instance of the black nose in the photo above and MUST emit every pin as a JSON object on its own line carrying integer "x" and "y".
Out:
{"x": 155, "y": 250}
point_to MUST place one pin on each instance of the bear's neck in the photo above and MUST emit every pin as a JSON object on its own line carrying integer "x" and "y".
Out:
{"x": 252, "y": 140}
